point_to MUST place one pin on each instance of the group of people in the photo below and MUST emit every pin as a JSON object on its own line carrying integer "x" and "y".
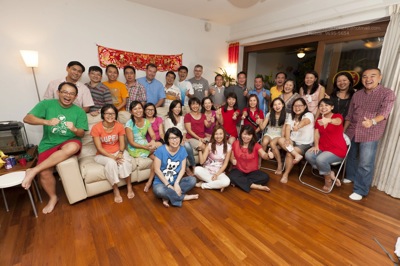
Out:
{"x": 233, "y": 126}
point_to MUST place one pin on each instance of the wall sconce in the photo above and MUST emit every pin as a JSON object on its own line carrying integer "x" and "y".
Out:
{"x": 301, "y": 54}
{"x": 31, "y": 59}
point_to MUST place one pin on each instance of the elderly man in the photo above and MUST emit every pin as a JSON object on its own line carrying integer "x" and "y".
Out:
{"x": 154, "y": 88}
{"x": 365, "y": 124}
{"x": 74, "y": 72}
{"x": 64, "y": 124}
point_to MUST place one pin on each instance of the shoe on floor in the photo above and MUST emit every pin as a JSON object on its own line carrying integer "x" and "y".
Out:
{"x": 346, "y": 181}
{"x": 355, "y": 196}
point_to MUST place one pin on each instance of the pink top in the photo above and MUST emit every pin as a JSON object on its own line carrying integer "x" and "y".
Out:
{"x": 197, "y": 125}
{"x": 215, "y": 160}
{"x": 156, "y": 128}
{"x": 209, "y": 130}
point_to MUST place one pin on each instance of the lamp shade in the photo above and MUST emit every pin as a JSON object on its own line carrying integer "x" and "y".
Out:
{"x": 31, "y": 58}
{"x": 301, "y": 54}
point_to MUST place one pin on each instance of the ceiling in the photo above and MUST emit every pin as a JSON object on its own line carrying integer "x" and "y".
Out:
{"x": 217, "y": 11}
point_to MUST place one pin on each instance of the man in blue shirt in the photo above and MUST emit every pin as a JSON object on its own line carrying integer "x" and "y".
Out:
{"x": 154, "y": 89}
{"x": 263, "y": 95}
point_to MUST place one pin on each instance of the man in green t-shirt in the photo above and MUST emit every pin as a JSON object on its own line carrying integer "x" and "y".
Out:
{"x": 63, "y": 125}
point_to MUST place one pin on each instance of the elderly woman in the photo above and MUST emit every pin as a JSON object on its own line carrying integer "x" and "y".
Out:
{"x": 329, "y": 144}
{"x": 169, "y": 166}
{"x": 109, "y": 139}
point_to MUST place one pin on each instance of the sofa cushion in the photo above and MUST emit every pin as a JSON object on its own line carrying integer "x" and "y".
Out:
{"x": 93, "y": 172}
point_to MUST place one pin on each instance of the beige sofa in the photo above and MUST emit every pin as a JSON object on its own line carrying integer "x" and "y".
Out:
{"x": 82, "y": 177}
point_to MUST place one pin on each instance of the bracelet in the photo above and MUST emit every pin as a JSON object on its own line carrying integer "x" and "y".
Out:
{"x": 121, "y": 151}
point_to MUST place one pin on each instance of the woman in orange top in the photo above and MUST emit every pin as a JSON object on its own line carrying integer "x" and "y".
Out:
{"x": 109, "y": 139}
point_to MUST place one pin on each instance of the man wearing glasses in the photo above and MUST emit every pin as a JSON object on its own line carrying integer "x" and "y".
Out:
{"x": 64, "y": 124}
{"x": 74, "y": 72}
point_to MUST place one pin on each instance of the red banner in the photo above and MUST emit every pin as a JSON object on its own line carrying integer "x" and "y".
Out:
{"x": 139, "y": 61}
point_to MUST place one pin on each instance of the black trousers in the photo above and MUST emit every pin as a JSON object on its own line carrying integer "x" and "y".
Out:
{"x": 245, "y": 180}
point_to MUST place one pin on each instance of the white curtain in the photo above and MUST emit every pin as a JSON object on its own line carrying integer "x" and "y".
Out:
{"x": 387, "y": 165}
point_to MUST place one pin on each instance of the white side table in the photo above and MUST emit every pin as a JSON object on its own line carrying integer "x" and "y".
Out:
{"x": 14, "y": 179}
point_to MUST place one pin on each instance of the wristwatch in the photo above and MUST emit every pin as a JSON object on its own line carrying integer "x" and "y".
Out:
{"x": 374, "y": 122}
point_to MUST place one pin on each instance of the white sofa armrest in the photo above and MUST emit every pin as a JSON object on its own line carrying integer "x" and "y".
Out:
{"x": 72, "y": 180}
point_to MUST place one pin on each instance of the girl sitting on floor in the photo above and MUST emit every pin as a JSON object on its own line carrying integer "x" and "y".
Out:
{"x": 215, "y": 159}
{"x": 245, "y": 154}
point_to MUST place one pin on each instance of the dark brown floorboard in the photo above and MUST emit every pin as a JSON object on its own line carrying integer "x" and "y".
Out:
{"x": 291, "y": 225}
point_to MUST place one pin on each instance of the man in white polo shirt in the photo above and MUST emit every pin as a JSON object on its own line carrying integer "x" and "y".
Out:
{"x": 74, "y": 72}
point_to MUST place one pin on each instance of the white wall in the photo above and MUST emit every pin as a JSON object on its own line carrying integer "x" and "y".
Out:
{"x": 67, "y": 30}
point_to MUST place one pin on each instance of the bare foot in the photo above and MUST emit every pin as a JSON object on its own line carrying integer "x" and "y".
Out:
{"x": 131, "y": 194}
{"x": 50, "y": 206}
{"x": 278, "y": 171}
{"x": 147, "y": 187}
{"x": 297, "y": 158}
{"x": 198, "y": 184}
{"x": 29, "y": 176}
{"x": 233, "y": 185}
{"x": 337, "y": 182}
{"x": 284, "y": 179}
{"x": 189, "y": 171}
{"x": 191, "y": 197}
{"x": 117, "y": 196}
{"x": 165, "y": 203}
{"x": 222, "y": 189}
{"x": 271, "y": 154}
{"x": 327, "y": 186}
{"x": 260, "y": 187}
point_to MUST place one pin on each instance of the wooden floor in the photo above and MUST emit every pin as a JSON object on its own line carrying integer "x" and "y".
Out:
{"x": 291, "y": 225}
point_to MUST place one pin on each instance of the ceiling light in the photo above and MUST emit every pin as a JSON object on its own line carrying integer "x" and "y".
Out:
{"x": 374, "y": 42}
{"x": 301, "y": 54}
{"x": 243, "y": 3}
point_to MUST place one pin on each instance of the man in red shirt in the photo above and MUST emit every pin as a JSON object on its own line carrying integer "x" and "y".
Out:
{"x": 365, "y": 124}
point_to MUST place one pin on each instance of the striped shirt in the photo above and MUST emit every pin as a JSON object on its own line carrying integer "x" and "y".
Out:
{"x": 101, "y": 95}
{"x": 377, "y": 102}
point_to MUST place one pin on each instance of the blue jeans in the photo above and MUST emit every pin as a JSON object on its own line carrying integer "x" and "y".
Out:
{"x": 322, "y": 161}
{"x": 163, "y": 192}
{"x": 360, "y": 165}
{"x": 190, "y": 157}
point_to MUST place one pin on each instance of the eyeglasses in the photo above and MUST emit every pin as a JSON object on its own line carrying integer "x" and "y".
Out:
{"x": 174, "y": 138}
{"x": 68, "y": 93}
{"x": 298, "y": 105}
{"x": 110, "y": 114}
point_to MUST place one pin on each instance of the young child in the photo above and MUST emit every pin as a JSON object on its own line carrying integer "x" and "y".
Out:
{"x": 119, "y": 92}
{"x": 275, "y": 123}
{"x": 215, "y": 159}
{"x": 227, "y": 116}
{"x": 100, "y": 93}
